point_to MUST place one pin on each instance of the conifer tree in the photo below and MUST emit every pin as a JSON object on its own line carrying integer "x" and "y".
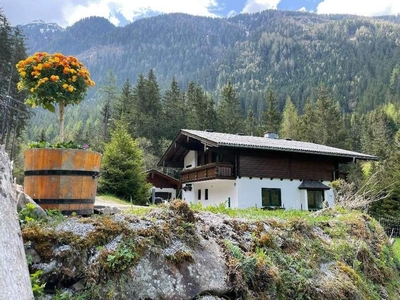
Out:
{"x": 376, "y": 139}
{"x": 123, "y": 105}
{"x": 14, "y": 115}
{"x": 147, "y": 110}
{"x": 308, "y": 131}
{"x": 209, "y": 114}
{"x": 108, "y": 94}
{"x": 323, "y": 123}
{"x": 201, "y": 112}
{"x": 123, "y": 167}
{"x": 174, "y": 110}
{"x": 250, "y": 122}
{"x": 290, "y": 121}
{"x": 229, "y": 113}
{"x": 272, "y": 116}
{"x": 193, "y": 99}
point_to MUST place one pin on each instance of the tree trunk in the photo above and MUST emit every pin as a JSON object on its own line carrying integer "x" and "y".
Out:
{"x": 61, "y": 108}
{"x": 14, "y": 275}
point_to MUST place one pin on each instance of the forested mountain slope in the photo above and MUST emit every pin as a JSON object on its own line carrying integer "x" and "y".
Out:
{"x": 290, "y": 52}
{"x": 330, "y": 80}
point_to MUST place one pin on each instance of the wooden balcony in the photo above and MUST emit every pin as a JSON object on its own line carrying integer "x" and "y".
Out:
{"x": 208, "y": 172}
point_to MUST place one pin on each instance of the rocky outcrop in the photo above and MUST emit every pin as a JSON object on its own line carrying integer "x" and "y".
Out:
{"x": 14, "y": 275}
{"x": 172, "y": 252}
{"x": 24, "y": 199}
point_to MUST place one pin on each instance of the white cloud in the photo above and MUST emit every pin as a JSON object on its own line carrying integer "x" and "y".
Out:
{"x": 253, "y": 6}
{"x": 232, "y": 13}
{"x": 67, "y": 12}
{"x": 131, "y": 9}
{"x": 360, "y": 7}
{"x": 303, "y": 9}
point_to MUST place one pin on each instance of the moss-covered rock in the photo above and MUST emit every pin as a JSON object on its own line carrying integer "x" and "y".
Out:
{"x": 174, "y": 252}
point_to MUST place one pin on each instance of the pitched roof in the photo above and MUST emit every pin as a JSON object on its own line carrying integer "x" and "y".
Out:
{"x": 163, "y": 175}
{"x": 313, "y": 185}
{"x": 217, "y": 139}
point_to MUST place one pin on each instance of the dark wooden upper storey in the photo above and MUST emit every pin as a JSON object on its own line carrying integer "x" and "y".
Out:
{"x": 227, "y": 156}
{"x": 161, "y": 180}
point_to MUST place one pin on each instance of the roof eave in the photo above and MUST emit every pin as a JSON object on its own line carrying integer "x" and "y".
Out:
{"x": 353, "y": 156}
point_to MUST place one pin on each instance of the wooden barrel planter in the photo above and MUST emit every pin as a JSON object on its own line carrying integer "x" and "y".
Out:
{"x": 62, "y": 179}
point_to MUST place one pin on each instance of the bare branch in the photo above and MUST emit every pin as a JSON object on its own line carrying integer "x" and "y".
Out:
{"x": 349, "y": 197}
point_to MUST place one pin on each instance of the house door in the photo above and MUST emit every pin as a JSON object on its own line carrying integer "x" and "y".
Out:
{"x": 315, "y": 199}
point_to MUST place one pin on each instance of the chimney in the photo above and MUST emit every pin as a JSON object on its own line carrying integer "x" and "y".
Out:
{"x": 271, "y": 135}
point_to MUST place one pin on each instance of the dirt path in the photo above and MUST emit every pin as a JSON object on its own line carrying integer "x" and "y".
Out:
{"x": 106, "y": 202}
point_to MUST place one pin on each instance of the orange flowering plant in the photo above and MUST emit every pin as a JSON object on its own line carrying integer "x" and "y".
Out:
{"x": 53, "y": 79}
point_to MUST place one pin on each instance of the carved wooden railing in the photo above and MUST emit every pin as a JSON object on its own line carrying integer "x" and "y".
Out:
{"x": 207, "y": 172}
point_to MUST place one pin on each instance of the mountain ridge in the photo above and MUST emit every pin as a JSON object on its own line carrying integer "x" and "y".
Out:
{"x": 291, "y": 52}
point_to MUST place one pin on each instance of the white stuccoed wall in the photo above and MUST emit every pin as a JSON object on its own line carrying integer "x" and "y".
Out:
{"x": 249, "y": 192}
{"x": 188, "y": 195}
{"x": 218, "y": 192}
{"x": 190, "y": 159}
{"x": 246, "y": 192}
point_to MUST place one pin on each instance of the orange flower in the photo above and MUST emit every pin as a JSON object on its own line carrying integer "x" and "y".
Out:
{"x": 67, "y": 74}
{"x": 54, "y": 78}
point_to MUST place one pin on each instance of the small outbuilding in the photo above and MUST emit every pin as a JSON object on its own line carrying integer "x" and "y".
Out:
{"x": 165, "y": 186}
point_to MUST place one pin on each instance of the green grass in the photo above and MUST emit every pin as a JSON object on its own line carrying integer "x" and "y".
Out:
{"x": 396, "y": 247}
{"x": 257, "y": 214}
{"x": 134, "y": 209}
{"x": 253, "y": 213}
{"x": 114, "y": 199}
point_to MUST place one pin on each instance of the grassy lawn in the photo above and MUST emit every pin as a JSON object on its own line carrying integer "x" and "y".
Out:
{"x": 253, "y": 213}
{"x": 111, "y": 198}
{"x": 396, "y": 247}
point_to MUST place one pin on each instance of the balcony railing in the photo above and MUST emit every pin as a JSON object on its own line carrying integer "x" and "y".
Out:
{"x": 207, "y": 172}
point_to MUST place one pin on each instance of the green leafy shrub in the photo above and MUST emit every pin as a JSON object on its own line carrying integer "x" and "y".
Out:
{"x": 27, "y": 213}
{"x": 37, "y": 285}
{"x": 63, "y": 145}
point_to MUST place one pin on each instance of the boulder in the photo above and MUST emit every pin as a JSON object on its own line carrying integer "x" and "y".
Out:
{"x": 14, "y": 275}
{"x": 23, "y": 199}
{"x": 204, "y": 272}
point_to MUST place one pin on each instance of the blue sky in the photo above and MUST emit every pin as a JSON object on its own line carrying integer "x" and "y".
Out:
{"x": 67, "y": 12}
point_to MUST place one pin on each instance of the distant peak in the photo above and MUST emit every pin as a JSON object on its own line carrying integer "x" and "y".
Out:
{"x": 37, "y": 22}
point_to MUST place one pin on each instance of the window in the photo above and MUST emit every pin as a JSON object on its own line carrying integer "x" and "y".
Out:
{"x": 271, "y": 197}
{"x": 315, "y": 199}
{"x": 198, "y": 194}
{"x": 206, "y": 194}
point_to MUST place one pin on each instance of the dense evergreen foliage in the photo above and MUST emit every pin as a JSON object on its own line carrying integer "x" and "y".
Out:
{"x": 14, "y": 114}
{"x": 290, "y": 52}
{"x": 123, "y": 168}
